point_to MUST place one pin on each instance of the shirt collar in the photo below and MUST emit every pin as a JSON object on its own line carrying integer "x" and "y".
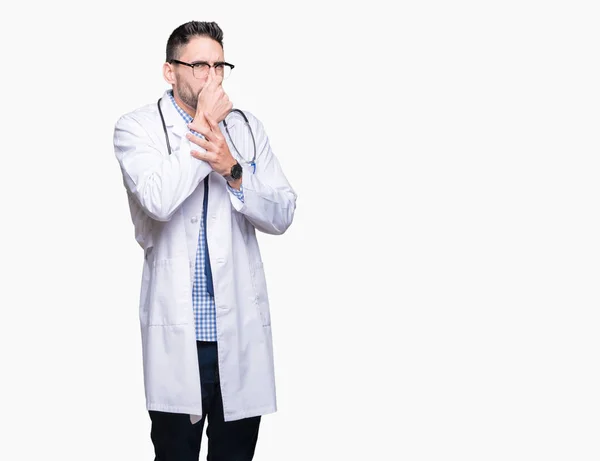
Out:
{"x": 186, "y": 117}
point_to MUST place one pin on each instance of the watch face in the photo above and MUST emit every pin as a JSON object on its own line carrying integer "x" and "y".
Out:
{"x": 236, "y": 171}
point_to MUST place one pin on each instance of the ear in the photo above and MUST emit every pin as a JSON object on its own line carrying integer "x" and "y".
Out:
{"x": 169, "y": 73}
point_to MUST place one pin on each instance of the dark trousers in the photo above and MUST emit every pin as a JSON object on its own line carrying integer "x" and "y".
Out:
{"x": 175, "y": 438}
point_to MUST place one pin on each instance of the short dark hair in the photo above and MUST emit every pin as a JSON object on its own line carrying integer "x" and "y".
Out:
{"x": 182, "y": 35}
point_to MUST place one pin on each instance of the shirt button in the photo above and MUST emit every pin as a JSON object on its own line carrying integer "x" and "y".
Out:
{"x": 194, "y": 219}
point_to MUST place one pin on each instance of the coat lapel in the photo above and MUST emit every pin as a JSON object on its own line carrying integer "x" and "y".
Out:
{"x": 173, "y": 120}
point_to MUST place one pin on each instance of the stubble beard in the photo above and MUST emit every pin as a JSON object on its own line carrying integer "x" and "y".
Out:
{"x": 187, "y": 95}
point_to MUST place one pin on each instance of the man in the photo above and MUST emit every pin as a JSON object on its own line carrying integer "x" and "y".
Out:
{"x": 195, "y": 206}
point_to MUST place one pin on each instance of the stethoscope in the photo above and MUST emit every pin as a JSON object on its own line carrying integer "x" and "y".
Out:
{"x": 252, "y": 162}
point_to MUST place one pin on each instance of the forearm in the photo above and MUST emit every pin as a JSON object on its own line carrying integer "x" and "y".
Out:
{"x": 160, "y": 183}
{"x": 268, "y": 209}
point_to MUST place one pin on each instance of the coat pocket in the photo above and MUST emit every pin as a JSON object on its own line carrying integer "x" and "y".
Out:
{"x": 170, "y": 294}
{"x": 261, "y": 298}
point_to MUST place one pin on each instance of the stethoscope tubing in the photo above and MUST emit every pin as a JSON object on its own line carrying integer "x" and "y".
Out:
{"x": 252, "y": 163}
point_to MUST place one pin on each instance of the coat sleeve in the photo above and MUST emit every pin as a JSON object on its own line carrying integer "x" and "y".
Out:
{"x": 158, "y": 182}
{"x": 269, "y": 200}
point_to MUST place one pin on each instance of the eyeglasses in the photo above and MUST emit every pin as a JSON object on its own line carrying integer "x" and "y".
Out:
{"x": 201, "y": 68}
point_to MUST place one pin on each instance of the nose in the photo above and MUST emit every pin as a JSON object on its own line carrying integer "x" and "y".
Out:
{"x": 214, "y": 75}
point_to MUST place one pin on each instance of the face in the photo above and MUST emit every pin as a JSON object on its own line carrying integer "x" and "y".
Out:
{"x": 186, "y": 87}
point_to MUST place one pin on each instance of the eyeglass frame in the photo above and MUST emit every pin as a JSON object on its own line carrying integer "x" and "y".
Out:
{"x": 193, "y": 65}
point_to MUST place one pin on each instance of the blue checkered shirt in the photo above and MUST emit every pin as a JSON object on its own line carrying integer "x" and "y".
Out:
{"x": 202, "y": 301}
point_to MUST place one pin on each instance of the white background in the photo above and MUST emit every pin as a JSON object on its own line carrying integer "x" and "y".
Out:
{"x": 437, "y": 295}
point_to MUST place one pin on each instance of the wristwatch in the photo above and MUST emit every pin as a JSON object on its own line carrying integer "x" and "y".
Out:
{"x": 236, "y": 172}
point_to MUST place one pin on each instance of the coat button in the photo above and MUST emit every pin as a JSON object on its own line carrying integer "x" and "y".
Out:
{"x": 194, "y": 220}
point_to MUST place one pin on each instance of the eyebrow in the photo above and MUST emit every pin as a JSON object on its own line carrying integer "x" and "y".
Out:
{"x": 206, "y": 62}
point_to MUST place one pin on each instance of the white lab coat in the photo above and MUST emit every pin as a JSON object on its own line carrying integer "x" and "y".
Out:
{"x": 165, "y": 201}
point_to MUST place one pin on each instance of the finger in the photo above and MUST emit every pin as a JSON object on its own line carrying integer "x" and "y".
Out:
{"x": 208, "y": 157}
{"x": 207, "y": 130}
{"x": 212, "y": 80}
{"x": 199, "y": 125}
{"x": 205, "y": 144}
{"x": 216, "y": 137}
{"x": 198, "y": 140}
{"x": 208, "y": 83}
{"x": 214, "y": 126}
